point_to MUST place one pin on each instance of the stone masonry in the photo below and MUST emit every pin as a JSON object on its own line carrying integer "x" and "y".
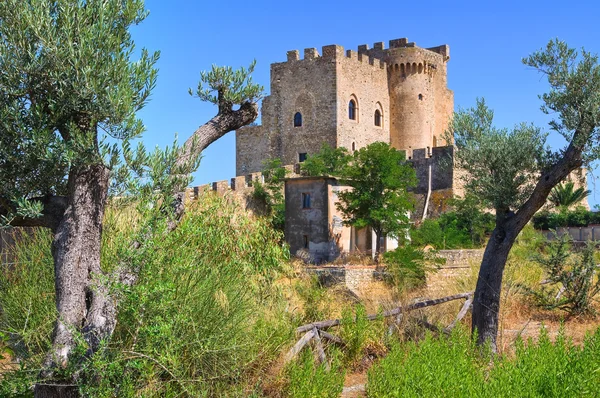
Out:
{"x": 405, "y": 85}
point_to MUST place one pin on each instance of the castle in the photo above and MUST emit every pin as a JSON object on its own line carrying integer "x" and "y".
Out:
{"x": 397, "y": 95}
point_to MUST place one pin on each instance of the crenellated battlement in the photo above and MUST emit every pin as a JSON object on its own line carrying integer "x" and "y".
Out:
{"x": 377, "y": 56}
{"x": 334, "y": 52}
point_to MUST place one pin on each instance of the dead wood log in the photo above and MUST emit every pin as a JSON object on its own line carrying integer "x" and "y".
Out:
{"x": 331, "y": 337}
{"x": 319, "y": 347}
{"x": 299, "y": 345}
{"x": 422, "y": 304}
{"x": 461, "y": 314}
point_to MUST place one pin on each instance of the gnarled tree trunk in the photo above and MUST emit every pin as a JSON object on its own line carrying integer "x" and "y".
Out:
{"x": 76, "y": 252}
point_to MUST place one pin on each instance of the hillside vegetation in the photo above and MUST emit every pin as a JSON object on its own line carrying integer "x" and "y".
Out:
{"x": 214, "y": 310}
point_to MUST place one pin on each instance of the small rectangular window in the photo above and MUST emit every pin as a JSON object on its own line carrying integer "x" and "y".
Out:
{"x": 301, "y": 157}
{"x": 306, "y": 201}
{"x": 306, "y": 241}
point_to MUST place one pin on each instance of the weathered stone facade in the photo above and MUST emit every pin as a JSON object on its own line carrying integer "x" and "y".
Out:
{"x": 405, "y": 84}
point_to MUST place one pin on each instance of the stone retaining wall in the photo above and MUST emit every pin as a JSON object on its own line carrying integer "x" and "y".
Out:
{"x": 458, "y": 264}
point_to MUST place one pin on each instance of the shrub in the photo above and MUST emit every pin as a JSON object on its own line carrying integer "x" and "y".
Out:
{"x": 465, "y": 227}
{"x": 203, "y": 317}
{"x": 572, "y": 280}
{"x": 446, "y": 367}
{"x": 270, "y": 192}
{"x": 407, "y": 266}
{"x": 454, "y": 367}
{"x": 578, "y": 217}
{"x": 27, "y": 310}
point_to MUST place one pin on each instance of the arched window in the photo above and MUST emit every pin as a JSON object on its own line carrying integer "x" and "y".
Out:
{"x": 298, "y": 119}
{"x": 353, "y": 146}
{"x": 377, "y": 118}
{"x": 352, "y": 110}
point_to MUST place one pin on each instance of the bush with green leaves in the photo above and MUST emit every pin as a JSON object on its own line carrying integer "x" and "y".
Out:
{"x": 407, "y": 266}
{"x": 572, "y": 282}
{"x": 578, "y": 217}
{"x": 454, "y": 367}
{"x": 466, "y": 226}
{"x": 358, "y": 331}
{"x": 203, "y": 316}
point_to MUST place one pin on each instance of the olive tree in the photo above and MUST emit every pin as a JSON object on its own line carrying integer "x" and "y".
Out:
{"x": 69, "y": 92}
{"x": 513, "y": 171}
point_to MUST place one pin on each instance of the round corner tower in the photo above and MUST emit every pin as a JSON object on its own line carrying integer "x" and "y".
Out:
{"x": 421, "y": 104}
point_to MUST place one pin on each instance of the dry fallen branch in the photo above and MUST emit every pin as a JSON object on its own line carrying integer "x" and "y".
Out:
{"x": 398, "y": 310}
{"x": 299, "y": 345}
{"x": 461, "y": 314}
{"x": 320, "y": 349}
{"x": 315, "y": 330}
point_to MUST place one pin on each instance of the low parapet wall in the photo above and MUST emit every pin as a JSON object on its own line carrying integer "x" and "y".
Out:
{"x": 578, "y": 234}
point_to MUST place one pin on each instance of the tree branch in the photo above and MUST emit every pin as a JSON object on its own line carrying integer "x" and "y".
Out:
{"x": 52, "y": 212}
{"x": 225, "y": 121}
{"x": 571, "y": 160}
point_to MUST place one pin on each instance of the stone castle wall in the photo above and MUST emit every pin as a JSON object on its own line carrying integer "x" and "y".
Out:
{"x": 443, "y": 182}
{"x": 405, "y": 83}
{"x": 363, "y": 79}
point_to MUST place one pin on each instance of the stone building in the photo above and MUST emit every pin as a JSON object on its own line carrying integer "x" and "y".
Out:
{"x": 350, "y": 99}
{"x": 314, "y": 225}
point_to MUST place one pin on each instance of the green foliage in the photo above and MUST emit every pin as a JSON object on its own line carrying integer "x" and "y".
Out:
{"x": 70, "y": 89}
{"x": 408, "y": 265}
{"x": 328, "y": 162}
{"x": 314, "y": 299}
{"x": 501, "y": 165}
{"x": 432, "y": 368}
{"x": 565, "y": 195}
{"x": 572, "y": 281}
{"x": 578, "y": 217}
{"x": 574, "y": 98}
{"x": 528, "y": 243}
{"x": 234, "y": 87}
{"x": 467, "y": 226}
{"x": 27, "y": 309}
{"x": 356, "y": 331}
{"x": 202, "y": 317}
{"x": 308, "y": 379}
{"x": 379, "y": 176}
{"x": 270, "y": 192}
{"x": 454, "y": 367}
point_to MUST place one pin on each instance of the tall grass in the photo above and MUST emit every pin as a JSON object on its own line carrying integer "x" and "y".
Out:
{"x": 455, "y": 367}
{"x": 27, "y": 310}
{"x": 307, "y": 379}
{"x": 204, "y": 318}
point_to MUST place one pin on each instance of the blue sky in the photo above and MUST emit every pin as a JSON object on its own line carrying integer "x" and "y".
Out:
{"x": 487, "y": 41}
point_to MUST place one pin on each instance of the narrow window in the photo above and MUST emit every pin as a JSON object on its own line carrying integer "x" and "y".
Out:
{"x": 377, "y": 118}
{"x": 306, "y": 241}
{"x": 302, "y": 157}
{"x": 420, "y": 97}
{"x": 352, "y": 110}
{"x": 353, "y": 146}
{"x": 298, "y": 119}
{"x": 306, "y": 201}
